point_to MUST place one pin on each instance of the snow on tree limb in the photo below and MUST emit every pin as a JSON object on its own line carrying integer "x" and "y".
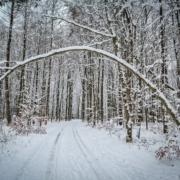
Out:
{"x": 81, "y": 26}
{"x": 172, "y": 112}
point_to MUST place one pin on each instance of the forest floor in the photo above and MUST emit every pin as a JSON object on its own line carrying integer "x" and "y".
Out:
{"x": 73, "y": 151}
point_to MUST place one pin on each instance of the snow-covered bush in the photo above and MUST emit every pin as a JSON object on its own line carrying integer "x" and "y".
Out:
{"x": 23, "y": 126}
{"x": 5, "y": 132}
{"x": 28, "y": 120}
{"x": 170, "y": 150}
{"x": 3, "y": 136}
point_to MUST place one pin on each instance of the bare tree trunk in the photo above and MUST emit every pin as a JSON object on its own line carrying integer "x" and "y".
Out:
{"x": 50, "y": 61}
{"x": 7, "y": 93}
{"x": 61, "y": 115}
{"x": 19, "y": 99}
{"x": 69, "y": 98}
{"x": 58, "y": 93}
{"x": 163, "y": 66}
{"x": 83, "y": 81}
{"x": 48, "y": 89}
{"x": 177, "y": 53}
{"x": 102, "y": 92}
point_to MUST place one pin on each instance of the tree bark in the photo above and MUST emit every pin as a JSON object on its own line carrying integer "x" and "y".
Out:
{"x": 8, "y": 52}
{"x": 21, "y": 87}
{"x": 164, "y": 80}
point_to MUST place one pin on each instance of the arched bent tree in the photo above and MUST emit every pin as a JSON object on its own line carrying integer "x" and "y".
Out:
{"x": 172, "y": 112}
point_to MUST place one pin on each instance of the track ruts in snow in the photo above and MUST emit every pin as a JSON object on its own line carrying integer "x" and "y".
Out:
{"x": 116, "y": 168}
{"x": 32, "y": 159}
{"x": 97, "y": 168}
{"x": 94, "y": 170}
{"x": 50, "y": 167}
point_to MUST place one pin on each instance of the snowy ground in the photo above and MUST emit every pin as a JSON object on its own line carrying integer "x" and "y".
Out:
{"x": 72, "y": 151}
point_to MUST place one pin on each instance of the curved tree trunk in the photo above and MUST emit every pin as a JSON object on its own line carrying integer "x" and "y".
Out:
{"x": 159, "y": 95}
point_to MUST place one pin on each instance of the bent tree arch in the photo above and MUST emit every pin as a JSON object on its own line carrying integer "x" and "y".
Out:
{"x": 172, "y": 112}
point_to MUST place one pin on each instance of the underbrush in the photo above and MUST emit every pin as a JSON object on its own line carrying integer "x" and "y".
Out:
{"x": 162, "y": 146}
{"x": 170, "y": 151}
{"x": 5, "y": 132}
{"x": 21, "y": 126}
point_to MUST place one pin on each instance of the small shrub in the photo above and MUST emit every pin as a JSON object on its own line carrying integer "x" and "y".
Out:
{"x": 22, "y": 126}
{"x": 170, "y": 151}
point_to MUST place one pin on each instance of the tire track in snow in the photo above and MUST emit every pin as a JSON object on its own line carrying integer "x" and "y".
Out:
{"x": 32, "y": 159}
{"x": 107, "y": 175}
{"x": 50, "y": 167}
{"x": 83, "y": 153}
{"x": 58, "y": 161}
{"x": 92, "y": 160}
{"x": 69, "y": 164}
{"x": 106, "y": 161}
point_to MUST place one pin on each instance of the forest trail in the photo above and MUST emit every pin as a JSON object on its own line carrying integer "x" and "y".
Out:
{"x": 72, "y": 151}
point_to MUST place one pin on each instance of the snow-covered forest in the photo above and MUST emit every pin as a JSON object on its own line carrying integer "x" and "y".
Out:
{"x": 112, "y": 64}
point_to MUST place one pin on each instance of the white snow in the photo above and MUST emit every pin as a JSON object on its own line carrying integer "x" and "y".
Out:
{"x": 72, "y": 151}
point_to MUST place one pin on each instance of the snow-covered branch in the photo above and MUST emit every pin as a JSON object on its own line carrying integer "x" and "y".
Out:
{"x": 5, "y": 68}
{"x": 4, "y": 61}
{"x": 81, "y": 26}
{"x": 99, "y": 43}
{"x": 151, "y": 86}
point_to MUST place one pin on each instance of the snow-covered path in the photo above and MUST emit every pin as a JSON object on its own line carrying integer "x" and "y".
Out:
{"x": 72, "y": 151}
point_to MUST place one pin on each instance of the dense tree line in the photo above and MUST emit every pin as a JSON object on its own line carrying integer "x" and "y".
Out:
{"x": 86, "y": 85}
